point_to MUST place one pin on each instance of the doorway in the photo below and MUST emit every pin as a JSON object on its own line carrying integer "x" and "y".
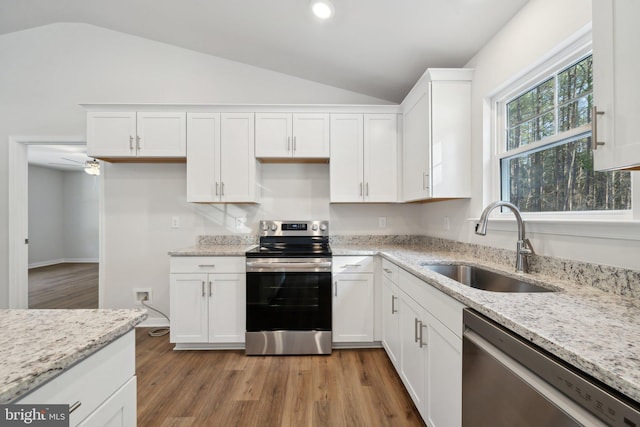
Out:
{"x": 55, "y": 258}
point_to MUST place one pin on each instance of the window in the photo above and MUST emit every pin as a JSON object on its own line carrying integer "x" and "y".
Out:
{"x": 545, "y": 157}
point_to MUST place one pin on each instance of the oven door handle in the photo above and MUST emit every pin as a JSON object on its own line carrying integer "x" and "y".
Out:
{"x": 274, "y": 265}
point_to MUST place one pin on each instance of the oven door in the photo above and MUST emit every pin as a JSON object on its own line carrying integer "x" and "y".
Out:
{"x": 288, "y": 306}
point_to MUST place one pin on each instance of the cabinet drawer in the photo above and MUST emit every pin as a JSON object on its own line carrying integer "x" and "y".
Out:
{"x": 91, "y": 381}
{"x": 208, "y": 264}
{"x": 390, "y": 270}
{"x": 441, "y": 306}
{"x": 352, "y": 264}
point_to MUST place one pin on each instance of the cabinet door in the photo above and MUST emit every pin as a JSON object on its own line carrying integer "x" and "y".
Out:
{"x": 380, "y": 158}
{"x": 615, "y": 83}
{"x": 353, "y": 307}
{"x": 346, "y": 165}
{"x": 391, "y": 321}
{"x": 413, "y": 357}
{"x": 450, "y": 157}
{"x": 188, "y": 308}
{"x": 416, "y": 148}
{"x": 227, "y": 307}
{"x": 238, "y": 161}
{"x": 311, "y": 135}
{"x": 162, "y": 134}
{"x": 273, "y": 135}
{"x": 111, "y": 134}
{"x": 203, "y": 157}
{"x": 119, "y": 410}
{"x": 444, "y": 376}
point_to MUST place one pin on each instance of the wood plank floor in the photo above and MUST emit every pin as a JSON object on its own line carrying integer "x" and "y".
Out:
{"x": 226, "y": 388}
{"x": 66, "y": 285}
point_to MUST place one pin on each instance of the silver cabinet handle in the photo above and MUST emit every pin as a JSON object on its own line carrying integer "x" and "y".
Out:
{"x": 367, "y": 187}
{"x": 294, "y": 144}
{"x": 74, "y": 406}
{"x": 387, "y": 270}
{"x": 222, "y": 188}
{"x": 206, "y": 265}
{"x": 393, "y": 304}
{"x": 137, "y": 142}
{"x": 217, "y": 188}
{"x": 415, "y": 329}
{"x": 351, "y": 265}
{"x": 422, "y": 344}
{"x": 425, "y": 181}
{"x": 130, "y": 142}
{"x": 210, "y": 289}
{"x": 203, "y": 294}
{"x": 361, "y": 189}
{"x": 336, "y": 288}
{"x": 594, "y": 127}
{"x": 288, "y": 143}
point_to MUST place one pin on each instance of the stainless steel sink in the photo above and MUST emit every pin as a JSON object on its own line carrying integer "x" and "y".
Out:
{"x": 480, "y": 278}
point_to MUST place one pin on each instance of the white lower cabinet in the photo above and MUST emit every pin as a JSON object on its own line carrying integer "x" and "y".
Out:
{"x": 353, "y": 299}
{"x": 422, "y": 334}
{"x": 390, "y": 313}
{"x": 101, "y": 388}
{"x": 207, "y": 307}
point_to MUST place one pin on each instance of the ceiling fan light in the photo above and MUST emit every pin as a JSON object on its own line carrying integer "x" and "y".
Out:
{"x": 322, "y": 9}
{"x": 92, "y": 167}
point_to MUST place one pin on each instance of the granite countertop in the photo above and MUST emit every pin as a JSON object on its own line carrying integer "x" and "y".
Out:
{"x": 598, "y": 332}
{"x": 213, "y": 250}
{"x": 37, "y": 345}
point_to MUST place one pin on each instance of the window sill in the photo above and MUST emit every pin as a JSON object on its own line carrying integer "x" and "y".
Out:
{"x": 610, "y": 228}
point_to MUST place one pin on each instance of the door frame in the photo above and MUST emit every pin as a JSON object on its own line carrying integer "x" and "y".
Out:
{"x": 19, "y": 214}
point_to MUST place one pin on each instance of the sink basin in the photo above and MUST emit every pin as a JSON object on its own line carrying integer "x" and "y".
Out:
{"x": 480, "y": 278}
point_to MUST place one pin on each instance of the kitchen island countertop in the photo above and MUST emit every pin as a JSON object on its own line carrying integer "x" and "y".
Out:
{"x": 38, "y": 345}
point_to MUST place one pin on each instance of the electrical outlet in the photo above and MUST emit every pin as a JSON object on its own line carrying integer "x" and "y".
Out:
{"x": 142, "y": 294}
{"x": 445, "y": 223}
{"x": 175, "y": 222}
{"x": 382, "y": 222}
{"x": 240, "y": 222}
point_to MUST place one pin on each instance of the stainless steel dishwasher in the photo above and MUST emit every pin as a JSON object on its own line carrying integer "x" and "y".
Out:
{"x": 507, "y": 381}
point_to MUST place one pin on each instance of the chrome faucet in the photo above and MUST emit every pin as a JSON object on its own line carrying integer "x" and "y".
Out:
{"x": 523, "y": 246}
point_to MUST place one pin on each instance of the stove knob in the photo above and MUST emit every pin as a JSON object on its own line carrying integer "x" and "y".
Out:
{"x": 323, "y": 227}
{"x": 265, "y": 226}
{"x": 314, "y": 227}
{"x": 274, "y": 227}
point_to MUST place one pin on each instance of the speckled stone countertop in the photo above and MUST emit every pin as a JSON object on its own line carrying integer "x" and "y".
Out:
{"x": 598, "y": 332}
{"x": 37, "y": 345}
{"x": 212, "y": 250}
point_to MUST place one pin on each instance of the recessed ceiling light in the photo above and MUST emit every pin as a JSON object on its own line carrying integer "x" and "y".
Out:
{"x": 322, "y": 9}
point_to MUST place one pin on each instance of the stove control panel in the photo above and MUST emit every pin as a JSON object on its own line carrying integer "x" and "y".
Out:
{"x": 294, "y": 228}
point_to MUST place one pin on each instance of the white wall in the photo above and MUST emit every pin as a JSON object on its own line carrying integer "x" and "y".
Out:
{"x": 63, "y": 216}
{"x": 46, "y": 214}
{"x": 48, "y": 71}
{"x": 538, "y": 28}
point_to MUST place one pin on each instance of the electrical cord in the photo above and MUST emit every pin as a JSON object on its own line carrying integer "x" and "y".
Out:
{"x": 158, "y": 332}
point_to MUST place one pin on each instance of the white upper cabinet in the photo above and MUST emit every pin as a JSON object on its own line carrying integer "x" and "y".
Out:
{"x": 615, "y": 83}
{"x": 437, "y": 136}
{"x": 113, "y": 135}
{"x": 363, "y": 166}
{"x": 221, "y": 165}
{"x": 286, "y": 135}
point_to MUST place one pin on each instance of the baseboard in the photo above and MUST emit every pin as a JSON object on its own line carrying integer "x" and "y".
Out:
{"x": 62, "y": 261}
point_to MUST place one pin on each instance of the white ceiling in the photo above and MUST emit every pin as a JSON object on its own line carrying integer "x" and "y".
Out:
{"x": 375, "y": 47}
{"x": 58, "y": 156}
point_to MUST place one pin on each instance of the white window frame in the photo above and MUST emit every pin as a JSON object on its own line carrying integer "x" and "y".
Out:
{"x": 614, "y": 224}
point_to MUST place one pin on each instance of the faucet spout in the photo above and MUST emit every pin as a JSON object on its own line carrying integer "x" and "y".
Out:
{"x": 523, "y": 246}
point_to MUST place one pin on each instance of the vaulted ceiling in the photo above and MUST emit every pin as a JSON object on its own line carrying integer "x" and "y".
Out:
{"x": 375, "y": 47}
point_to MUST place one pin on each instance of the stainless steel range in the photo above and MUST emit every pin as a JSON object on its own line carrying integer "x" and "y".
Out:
{"x": 289, "y": 289}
